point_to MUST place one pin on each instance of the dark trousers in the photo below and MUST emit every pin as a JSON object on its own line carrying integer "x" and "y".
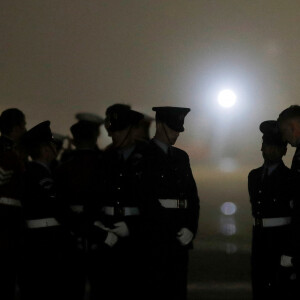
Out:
{"x": 77, "y": 271}
{"x": 115, "y": 272}
{"x": 10, "y": 251}
{"x": 8, "y": 272}
{"x": 43, "y": 274}
{"x": 269, "y": 279}
{"x": 167, "y": 272}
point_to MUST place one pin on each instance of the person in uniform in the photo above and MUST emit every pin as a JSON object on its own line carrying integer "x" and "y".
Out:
{"x": 12, "y": 127}
{"x": 43, "y": 269}
{"x": 289, "y": 125}
{"x": 117, "y": 107}
{"x": 271, "y": 198}
{"x": 95, "y": 121}
{"x": 74, "y": 180}
{"x": 116, "y": 213}
{"x": 171, "y": 207}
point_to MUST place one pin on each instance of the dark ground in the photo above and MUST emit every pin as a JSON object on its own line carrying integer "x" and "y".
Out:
{"x": 216, "y": 275}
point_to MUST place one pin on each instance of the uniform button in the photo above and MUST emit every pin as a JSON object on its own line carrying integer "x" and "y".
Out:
{"x": 162, "y": 176}
{"x": 258, "y": 213}
{"x": 259, "y": 202}
{"x": 119, "y": 188}
{"x": 118, "y": 202}
{"x": 121, "y": 174}
{"x": 259, "y": 191}
{"x": 274, "y": 199}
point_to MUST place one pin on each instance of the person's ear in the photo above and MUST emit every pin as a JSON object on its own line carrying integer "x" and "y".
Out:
{"x": 158, "y": 126}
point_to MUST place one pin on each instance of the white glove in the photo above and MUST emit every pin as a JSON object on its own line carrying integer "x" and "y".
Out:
{"x": 111, "y": 239}
{"x": 100, "y": 225}
{"x": 120, "y": 229}
{"x": 286, "y": 261}
{"x": 184, "y": 236}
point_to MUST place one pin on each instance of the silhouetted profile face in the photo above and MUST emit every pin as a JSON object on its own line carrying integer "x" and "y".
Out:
{"x": 12, "y": 123}
{"x": 20, "y": 129}
{"x": 288, "y": 131}
{"x": 121, "y": 138}
{"x": 50, "y": 152}
{"x": 272, "y": 153}
{"x": 166, "y": 134}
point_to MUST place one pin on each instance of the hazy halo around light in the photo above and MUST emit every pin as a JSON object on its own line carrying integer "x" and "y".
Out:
{"x": 227, "y": 98}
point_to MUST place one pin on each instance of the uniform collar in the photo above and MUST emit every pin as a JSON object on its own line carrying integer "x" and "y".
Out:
{"x": 163, "y": 146}
{"x": 126, "y": 152}
{"x": 271, "y": 168}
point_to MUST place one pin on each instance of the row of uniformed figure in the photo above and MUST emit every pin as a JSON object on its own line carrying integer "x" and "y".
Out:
{"x": 122, "y": 219}
{"x": 274, "y": 196}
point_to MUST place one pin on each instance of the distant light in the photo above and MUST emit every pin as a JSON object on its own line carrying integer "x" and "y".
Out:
{"x": 228, "y": 208}
{"x": 227, "y": 98}
{"x": 231, "y": 248}
{"x": 228, "y": 229}
{"x": 227, "y": 225}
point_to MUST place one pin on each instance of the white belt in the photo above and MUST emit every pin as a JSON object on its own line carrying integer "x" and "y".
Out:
{"x": 10, "y": 201}
{"x": 272, "y": 222}
{"x": 77, "y": 208}
{"x": 124, "y": 211}
{"x": 173, "y": 203}
{"x": 39, "y": 223}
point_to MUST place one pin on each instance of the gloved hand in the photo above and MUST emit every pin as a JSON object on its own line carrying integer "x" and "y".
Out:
{"x": 184, "y": 236}
{"x": 111, "y": 239}
{"x": 121, "y": 229}
{"x": 286, "y": 261}
{"x": 100, "y": 225}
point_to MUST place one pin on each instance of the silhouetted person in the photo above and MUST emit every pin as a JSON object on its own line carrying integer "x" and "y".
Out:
{"x": 270, "y": 190}
{"x": 171, "y": 208}
{"x": 74, "y": 180}
{"x": 43, "y": 269}
{"x": 95, "y": 122}
{"x": 94, "y": 119}
{"x": 117, "y": 263}
{"x": 12, "y": 127}
{"x": 289, "y": 125}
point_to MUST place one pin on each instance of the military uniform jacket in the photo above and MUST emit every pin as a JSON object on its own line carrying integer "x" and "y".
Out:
{"x": 168, "y": 177}
{"x": 75, "y": 181}
{"x": 295, "y": 167}
{"x": 119, "y": 188}
{"x": 271, "y": 197}
{"x": 11, "y": 170}
{"x": 38, "y": 192}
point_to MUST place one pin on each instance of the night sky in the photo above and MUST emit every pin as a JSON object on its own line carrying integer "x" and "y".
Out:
{"x": 61, "y": 57}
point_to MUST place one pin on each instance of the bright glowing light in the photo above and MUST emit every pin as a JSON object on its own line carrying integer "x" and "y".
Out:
{"x": 228, "y": 208}
{"x": 227, "y": 98}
